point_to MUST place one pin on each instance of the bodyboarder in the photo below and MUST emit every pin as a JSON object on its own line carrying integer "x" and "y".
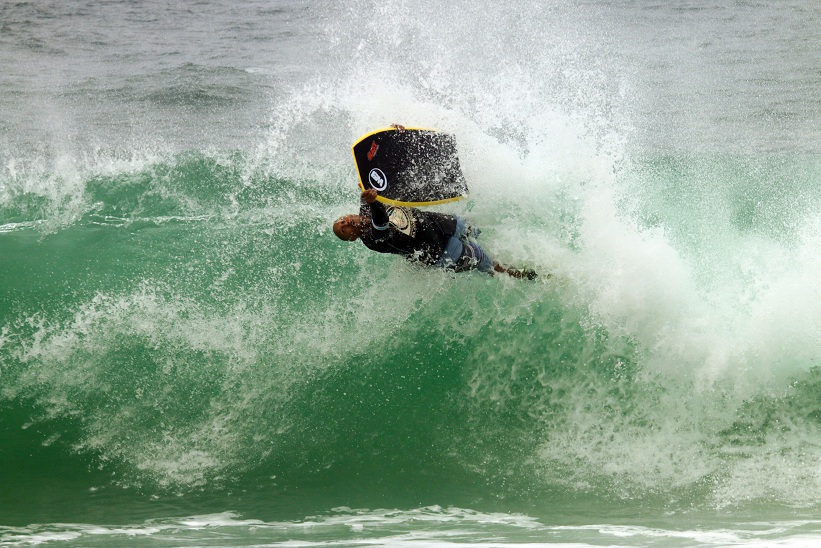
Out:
{"x": 428, "y": 238}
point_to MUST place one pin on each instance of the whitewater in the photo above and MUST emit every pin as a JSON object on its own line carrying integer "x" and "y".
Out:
{"x": 189, "y": 357}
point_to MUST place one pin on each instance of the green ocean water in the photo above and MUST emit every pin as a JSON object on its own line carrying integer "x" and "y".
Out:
{"x": 189, "y": 349}
{"x": 189, "y": 357}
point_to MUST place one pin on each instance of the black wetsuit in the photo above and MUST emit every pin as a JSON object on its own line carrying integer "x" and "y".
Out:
{"x": 407, "y": 231}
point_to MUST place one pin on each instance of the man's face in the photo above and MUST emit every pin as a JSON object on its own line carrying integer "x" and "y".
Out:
{"x": 348, "y": 228}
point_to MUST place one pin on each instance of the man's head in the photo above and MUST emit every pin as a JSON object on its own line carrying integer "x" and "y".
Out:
{"x": 348, "y": 227}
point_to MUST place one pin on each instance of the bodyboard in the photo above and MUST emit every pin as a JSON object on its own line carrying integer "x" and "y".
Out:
{"x": 411, "y": 167}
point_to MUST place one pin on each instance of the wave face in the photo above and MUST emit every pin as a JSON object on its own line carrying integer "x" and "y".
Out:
{"x": 181, "y": 332}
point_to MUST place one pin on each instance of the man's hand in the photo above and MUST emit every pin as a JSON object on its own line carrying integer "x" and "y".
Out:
{"x": 369, "y": 195}
{"x": 398, "y": 127}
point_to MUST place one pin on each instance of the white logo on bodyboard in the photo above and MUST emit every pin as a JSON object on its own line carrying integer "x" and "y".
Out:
{"x": 378, "y": 179}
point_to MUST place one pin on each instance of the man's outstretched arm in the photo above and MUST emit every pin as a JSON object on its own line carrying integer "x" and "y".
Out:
{"x": 379, "y": 216}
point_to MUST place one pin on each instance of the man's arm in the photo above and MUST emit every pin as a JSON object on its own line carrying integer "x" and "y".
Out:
{"x": 379, "y": 216}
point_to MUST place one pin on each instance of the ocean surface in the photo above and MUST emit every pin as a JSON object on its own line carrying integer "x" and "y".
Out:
{"x": 189, "y": 357}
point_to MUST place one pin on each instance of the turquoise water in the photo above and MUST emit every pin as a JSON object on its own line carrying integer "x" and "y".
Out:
{"x": 189, "y": 357}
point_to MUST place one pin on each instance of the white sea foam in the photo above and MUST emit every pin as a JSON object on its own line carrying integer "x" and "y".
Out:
{"x": 423, "y": 527}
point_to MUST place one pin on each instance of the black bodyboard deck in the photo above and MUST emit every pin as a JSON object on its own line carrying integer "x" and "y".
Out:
{"x": 410, "y": 166}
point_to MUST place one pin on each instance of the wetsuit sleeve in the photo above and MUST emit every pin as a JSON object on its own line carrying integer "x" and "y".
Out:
{"x": 379, "y": 216}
